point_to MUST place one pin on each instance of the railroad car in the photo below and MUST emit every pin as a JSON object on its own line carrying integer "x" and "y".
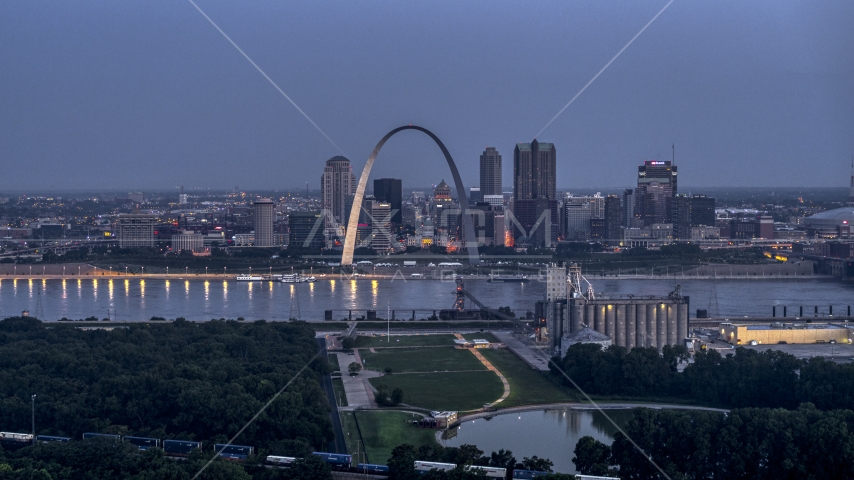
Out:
{"x": 335, "y": 460}
{"x": 372, "y": 468}
{"x": 180, "y": 448}
{"x": 280, "y": 461}
{"x": 491, "y": 472}
{"x": 143, "y": 443}
{"x": 237, "y": 453}
{"x": 424, "y": 467}
{"x": 527, "y": 474}
{"x": 102, "y": 436}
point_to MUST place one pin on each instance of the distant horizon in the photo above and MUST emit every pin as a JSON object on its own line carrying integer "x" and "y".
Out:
{"x": 261, "y": 190}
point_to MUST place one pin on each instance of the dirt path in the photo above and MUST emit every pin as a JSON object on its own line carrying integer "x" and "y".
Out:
{"x": 491, "y": 368}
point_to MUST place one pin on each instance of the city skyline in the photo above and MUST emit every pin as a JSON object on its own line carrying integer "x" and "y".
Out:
{"x": 162, "y": 91}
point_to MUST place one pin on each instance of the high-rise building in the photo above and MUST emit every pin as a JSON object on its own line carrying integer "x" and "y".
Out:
{"x": 136, "y": 230}
{"x": 381, "y": 226}
{"x": 264, "y": 218}
{"x": 390, "y": 190}
{"x": 656, "y": 188}
{"x": 681, "y": 217}
{"x": 442, "y": 192}
{"x": 534, "y": 171}
{"x": 490, "y": 172}
{"x": 304, "y": 230}
{"x": 534, "y": 193}
{"x": 336, "y": 183}
{"x": 628, "y": 206}
{"x": 577, "y": 213}
{"x": 613, "y": 217}
{"x": 702, "y": 211}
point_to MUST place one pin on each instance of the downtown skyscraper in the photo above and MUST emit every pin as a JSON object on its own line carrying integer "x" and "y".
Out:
{"x": 535, "y": 193}
{"x": 336, "y": 184}
{"x": 490, "y": 172}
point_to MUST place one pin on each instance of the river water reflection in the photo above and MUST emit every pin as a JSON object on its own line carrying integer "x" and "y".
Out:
{"x": 140, "y": 299}
{"x": 548, "y": 434}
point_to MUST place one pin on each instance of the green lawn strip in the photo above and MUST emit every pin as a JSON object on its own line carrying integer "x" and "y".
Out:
{"x": 527, "y": 386}
{"x": 340, "y": 395}
{"x": 481, "y": 336}
{"x": 447, "y": 390}
{"x": 333, "y": 362}
{"x": 404, "y": 340}
{"x": 351, "y": 432}
{"x": 384, "y": 430}
{"x": 402, "y": 360}
{"x": 404, "y": 325}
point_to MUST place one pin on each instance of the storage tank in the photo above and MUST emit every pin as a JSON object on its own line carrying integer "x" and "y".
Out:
{"x": 651, "y": 326}
{"x": 672, "y": 321}
{"x": 661, "y": 325}
{"x": 621, "y": 324}
{"x": 631, "y": 325}
{"x": 611, "y": 321}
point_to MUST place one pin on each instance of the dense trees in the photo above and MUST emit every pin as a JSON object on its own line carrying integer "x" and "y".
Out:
{"x": 179, "y": 380}
{"x": 745, "y": 443}
{"x": 745, "y": 378}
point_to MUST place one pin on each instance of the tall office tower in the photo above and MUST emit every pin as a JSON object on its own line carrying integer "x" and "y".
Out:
{"x": 534, "y": 175}
{"x": 182, "y": 197}
{"x": 613, "y": 217}
{"x": 656, "y": 188}
{"x": 534, "y": 193}
{"x": 390, "y": 190}
{"x": 681, "y": 217}
{"x": 264, "y": 217}
{"x": 702, "y": 211}
{"x": 578, "y": 212}
{"x": 381, "y": 226}
{"x": 304, "y": 230}
{"x": 490, "y": 172}
{"x": 336, "y": 183}
{"x": 628, "y": 206}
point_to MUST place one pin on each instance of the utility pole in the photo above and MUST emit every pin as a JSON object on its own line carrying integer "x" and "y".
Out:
{"x": 33, "y": 403}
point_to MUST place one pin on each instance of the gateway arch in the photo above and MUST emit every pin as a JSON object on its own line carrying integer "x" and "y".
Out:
{"x": 353, "y": 223}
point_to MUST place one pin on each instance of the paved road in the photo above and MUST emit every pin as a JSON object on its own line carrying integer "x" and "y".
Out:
{"x": 534, "y": 357}
{"x": 338, "y": 445}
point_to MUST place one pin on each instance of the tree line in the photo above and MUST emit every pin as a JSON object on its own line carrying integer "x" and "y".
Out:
{"x": 756, "y": 443}
{"x": 181, "y": 380}
{"x": 744, "y": 378}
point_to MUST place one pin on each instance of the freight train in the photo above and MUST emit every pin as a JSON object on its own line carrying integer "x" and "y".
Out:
{"x": 239, "y": 453}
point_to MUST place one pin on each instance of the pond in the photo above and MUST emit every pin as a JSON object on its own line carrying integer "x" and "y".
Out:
{"x": 548, "y": 434}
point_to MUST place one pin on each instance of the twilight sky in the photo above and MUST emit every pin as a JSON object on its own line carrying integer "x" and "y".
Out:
{"x": 133, "y": 94}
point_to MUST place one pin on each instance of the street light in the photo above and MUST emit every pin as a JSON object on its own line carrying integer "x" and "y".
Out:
{"x": 33, "y": 400}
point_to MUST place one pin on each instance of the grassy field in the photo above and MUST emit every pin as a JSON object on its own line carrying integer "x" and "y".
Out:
{"x": 372, "y": 325}
{"x": 438, "y": 359}
{"x": 351, "y": 433}
{"x": 446, "y": 391}
{"x": 338, "y": 387}
{"x": 384, "y": 430}
{"x": 527, "y": 386}
{"x": 404, "y": 341}
{"x": 333, "y": 362}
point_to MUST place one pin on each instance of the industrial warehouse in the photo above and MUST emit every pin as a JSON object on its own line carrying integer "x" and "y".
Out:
{"x": 780, "y": 333}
